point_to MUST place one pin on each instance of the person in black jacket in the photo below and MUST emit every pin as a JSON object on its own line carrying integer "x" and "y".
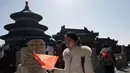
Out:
{"x": 107, "y": 59}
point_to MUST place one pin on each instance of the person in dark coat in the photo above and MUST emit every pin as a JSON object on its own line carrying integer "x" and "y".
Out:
{"x": 60, "y": 60}
{"x": 107, "y": 59}
{"x": 57, "y": 52}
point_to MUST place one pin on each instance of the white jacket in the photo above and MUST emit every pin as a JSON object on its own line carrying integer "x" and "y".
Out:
{"x": 73, "y": 60}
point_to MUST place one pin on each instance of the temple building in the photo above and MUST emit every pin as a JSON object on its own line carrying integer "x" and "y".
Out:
{"x": 111, "y": 42}
{"x": 87, "y": 37}
{"x": 127, "y": 52}
{"x": 25, "y": 28}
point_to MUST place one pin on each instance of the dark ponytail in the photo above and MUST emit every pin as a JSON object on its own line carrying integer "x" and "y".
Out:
{"x": 74, "y": 37}
{"x": 78, "y": 42}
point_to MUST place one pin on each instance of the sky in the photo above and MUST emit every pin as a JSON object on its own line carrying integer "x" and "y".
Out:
{"x": 111, "y": 18}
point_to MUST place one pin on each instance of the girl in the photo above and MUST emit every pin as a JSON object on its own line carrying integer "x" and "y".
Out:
{"x": 76, "y": 57}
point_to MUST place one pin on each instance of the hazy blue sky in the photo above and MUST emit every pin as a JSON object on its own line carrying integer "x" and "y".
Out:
{"x": 108, "y": 17}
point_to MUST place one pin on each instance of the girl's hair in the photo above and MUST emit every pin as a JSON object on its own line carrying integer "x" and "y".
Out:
{"x": 74, "y": 37}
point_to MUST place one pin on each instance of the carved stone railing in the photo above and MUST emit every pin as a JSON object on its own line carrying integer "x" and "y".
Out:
{"x": 27, "y": 62}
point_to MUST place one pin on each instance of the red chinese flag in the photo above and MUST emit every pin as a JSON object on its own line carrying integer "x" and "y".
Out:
{"x": 46, "y": 61}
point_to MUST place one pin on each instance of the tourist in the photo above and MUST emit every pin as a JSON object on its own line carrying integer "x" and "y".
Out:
{"x": 57, "y": 47}
{"x": 49, "y": 50}
{"x": 107, "y": 59}
{"x": 60, "y": 60}
{"x": 57, "y": 52}
{"x": 77, "y": 57}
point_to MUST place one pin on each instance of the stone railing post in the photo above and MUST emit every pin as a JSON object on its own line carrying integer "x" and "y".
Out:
{"x": 27, "y": 62}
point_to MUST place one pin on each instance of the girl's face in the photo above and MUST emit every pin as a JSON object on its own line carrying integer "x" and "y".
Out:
{"x": 69, "y": 42}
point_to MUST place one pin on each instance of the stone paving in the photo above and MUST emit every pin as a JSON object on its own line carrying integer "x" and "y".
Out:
{"x": 125, "y": 69}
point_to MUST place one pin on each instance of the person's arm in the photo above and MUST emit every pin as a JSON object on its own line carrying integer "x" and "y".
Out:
{"x": 113, "y": 59}
{"x": 88, "y": 64}
{"x": 100, "y": 59}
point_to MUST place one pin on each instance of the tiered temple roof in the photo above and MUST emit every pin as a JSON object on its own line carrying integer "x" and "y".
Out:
{"x": 26, "y": 26}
